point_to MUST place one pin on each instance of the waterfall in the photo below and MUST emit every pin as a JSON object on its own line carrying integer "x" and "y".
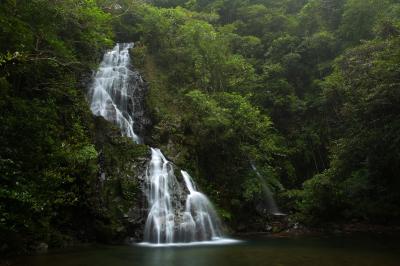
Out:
{"x": 109, "y": 91}
{"x": 160, "y": 224}
{"x": 170, "y": 222}
{"x": 176, "y": 214}
{"x": 200, "y": 219}
{"x": 272, "y": 207}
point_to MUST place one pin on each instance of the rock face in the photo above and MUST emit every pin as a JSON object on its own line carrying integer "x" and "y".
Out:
{"x": 120, "y": 202}
{"x": 137, "y": 105}
{"x": 41, "y": 248}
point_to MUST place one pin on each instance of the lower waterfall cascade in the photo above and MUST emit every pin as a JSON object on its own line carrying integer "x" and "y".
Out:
{"x": 170, "y": 222}
{"x": 178, "y": 214}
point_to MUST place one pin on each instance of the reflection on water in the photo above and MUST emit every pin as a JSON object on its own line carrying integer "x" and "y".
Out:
{"x": 216, "y": 241}
{"x": 164, "y": 256}
{"x": 343, "y": 251}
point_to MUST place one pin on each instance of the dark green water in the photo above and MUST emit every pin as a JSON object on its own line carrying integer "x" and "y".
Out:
{"x": 304, "y": 251}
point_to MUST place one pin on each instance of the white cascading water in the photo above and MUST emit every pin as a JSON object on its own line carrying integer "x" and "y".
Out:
{"x": 169, "y": 221}
{"x": 269, "y": 197}
{"x": 200, "y": 219}
{"x": 160, "y": 224}
{"x": 109, "y": 91}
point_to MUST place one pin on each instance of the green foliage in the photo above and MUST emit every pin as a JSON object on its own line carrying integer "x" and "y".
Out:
{"x": 366, "y": 80}
{"x": 48, "y": 162}
{"x": 318, "y": 196}
{"x": 232, "y": 133}
{"x": 359, "y": 18}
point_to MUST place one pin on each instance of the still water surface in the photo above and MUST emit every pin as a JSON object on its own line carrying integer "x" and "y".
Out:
{"x": 254, "y": 251}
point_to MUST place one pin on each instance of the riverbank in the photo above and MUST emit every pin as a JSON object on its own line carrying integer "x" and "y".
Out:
{"x": 334, "y": 229}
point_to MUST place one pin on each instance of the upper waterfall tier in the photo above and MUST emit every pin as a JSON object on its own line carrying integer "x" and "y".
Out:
{"x": 109, "y": 93}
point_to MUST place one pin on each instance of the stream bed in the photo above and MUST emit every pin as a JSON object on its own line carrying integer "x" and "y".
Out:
{"x": 252, "y": 250}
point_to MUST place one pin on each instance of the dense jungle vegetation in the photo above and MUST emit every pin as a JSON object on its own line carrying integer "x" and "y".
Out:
{"x": 306, "y": 90}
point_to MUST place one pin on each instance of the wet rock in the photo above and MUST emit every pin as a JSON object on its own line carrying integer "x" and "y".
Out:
{"x": 130, "y": 240}
{"x": 3, "y": 248}
{"x": 41, "y": 248}
{"x": 137, "y": 93}
{"x": 120, "y": 185}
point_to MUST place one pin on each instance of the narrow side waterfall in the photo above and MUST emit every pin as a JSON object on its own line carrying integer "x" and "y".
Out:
{"x": 178, "y": 212}
{"x": 272, "y": 207}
